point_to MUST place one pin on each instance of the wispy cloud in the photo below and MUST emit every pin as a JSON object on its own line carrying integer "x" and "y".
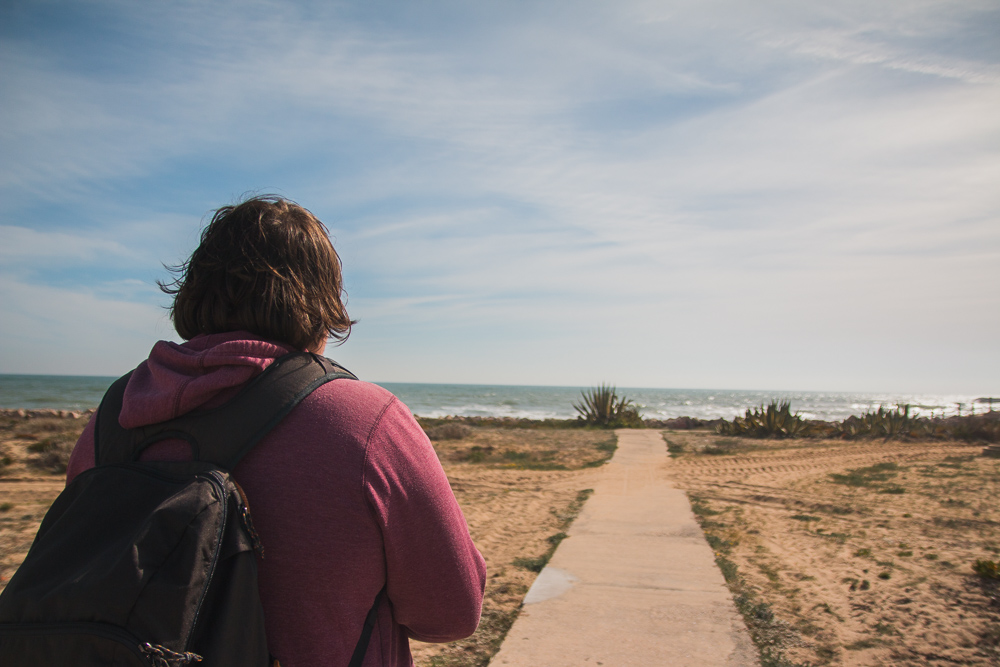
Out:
{"x": 62, "y": 331}
{"x": 24, "y": 246}
{"x": 848, "y": 49}
{"x": 637, "y": 176}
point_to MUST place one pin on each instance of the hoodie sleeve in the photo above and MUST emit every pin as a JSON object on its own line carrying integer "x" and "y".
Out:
{"x": 435, "y": 576}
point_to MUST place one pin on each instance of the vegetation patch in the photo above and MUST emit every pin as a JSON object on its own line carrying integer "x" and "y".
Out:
{"x": 866, "y": 643}
{"x": 870, "y": 476}
{"x": 538, "y": 563}
{"x": 529, "y": 449}
{"x": 532, "y": 564}
{"x": 601, "y": 406}
{"x": 606, "y": 450}
{"x": 721, "y": 446}
{"x": 864, "y": 561}
{"x": 856, "y": 584}
{"x": 46, "y": 443}
{"x": 701, "y": 509}
{"x": 575, "y": 507}
{"x": 886, "y": 629}
{"x": 449, "y": 431}
{"x": 500, "y": 423}
{"x": 675, "y": 449}
{"x": 770, "y": 634}
{"x": 774, "y": 421}
{"x": 987, "y": 569}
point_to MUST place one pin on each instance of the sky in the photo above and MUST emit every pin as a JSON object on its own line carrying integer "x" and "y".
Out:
{"x": 706, "y": 194}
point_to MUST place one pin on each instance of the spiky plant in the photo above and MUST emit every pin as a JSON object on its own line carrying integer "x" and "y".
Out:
{"x": 598, "y": 404}
{"x": 774, "y": 421}
{"x": 882, "y": 423}
{"x": 601, "y": 406}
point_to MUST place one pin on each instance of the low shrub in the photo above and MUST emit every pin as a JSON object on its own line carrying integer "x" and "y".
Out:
{"x": 774, "y": 421}
{"x": 450, "y": 431}
{"x": 987, "y": 569}
{"x": 974, "y": 428}
{"x": 882, "y": 423}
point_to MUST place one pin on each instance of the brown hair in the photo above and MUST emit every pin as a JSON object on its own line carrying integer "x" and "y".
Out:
{"x": 265, "y": 265}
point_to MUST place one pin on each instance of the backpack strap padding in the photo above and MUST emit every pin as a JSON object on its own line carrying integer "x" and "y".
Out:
{"x": 224, "y": 435}
{"x": 112, "y": 443}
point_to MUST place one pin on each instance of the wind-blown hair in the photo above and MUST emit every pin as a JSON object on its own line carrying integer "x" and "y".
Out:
{"x": 265, "y": 265}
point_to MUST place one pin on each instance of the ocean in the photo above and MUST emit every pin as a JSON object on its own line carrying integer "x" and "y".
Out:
{"x": 61, "y": 392}
{"x": 440, "y": 400}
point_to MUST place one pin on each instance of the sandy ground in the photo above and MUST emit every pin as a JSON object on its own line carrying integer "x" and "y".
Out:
{"x": 519, "y": 489}
{"x": 32, "y": 467}
{"x": 852, "y": 553}
{"x": 841, "y": 553}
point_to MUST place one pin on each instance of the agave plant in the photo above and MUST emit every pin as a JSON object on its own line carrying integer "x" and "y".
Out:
{"x": 602, "y": 407}
{"x": 882, "y": 423}
{"x": 774, "y": 421}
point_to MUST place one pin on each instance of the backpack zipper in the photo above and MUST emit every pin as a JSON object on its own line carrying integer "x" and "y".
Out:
{"x": 219, "y": 482}
{"x": 247, "y": 521}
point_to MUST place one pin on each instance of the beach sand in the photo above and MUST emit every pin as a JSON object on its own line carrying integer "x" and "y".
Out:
{"x": 875, "y": 573}
{"x": 33, "y": 455}
{"x": 517, "y": 503}
{"x": 853, "y": 553}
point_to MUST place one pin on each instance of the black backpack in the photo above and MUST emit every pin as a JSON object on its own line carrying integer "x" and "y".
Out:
{"x": 152, "y": 563}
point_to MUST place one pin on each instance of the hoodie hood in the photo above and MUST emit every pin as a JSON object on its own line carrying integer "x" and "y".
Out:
{"x": 202, "y": 373}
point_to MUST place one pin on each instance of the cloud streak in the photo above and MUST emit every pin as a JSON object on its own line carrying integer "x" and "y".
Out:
{"x": 637, "y": 178}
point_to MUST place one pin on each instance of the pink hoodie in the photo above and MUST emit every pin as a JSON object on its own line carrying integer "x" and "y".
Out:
{"x": 346, "y": 493}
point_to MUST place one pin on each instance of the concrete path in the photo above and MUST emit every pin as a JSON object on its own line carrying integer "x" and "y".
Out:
{"x": 635, "y": 583}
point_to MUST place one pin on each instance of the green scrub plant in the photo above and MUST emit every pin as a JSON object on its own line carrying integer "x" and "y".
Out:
{"x": 601, "y": 406}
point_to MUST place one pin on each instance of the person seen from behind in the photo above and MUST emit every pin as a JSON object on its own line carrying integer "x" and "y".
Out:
{"x": 347, "y": 494}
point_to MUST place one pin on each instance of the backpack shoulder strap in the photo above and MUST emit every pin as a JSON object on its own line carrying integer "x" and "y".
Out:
{"x": 112, "y": 443}
{"x": 224, "y": 435}
{"x": 361, "y": 647}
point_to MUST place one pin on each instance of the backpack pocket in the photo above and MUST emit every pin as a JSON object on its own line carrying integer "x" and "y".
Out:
{"x": 70, "y": 644}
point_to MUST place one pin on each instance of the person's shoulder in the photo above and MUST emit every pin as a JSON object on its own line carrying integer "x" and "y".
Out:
{"x": 361, "y": 399}
{"x": 362, "y": 389}
{"x": 348, "y": 411}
